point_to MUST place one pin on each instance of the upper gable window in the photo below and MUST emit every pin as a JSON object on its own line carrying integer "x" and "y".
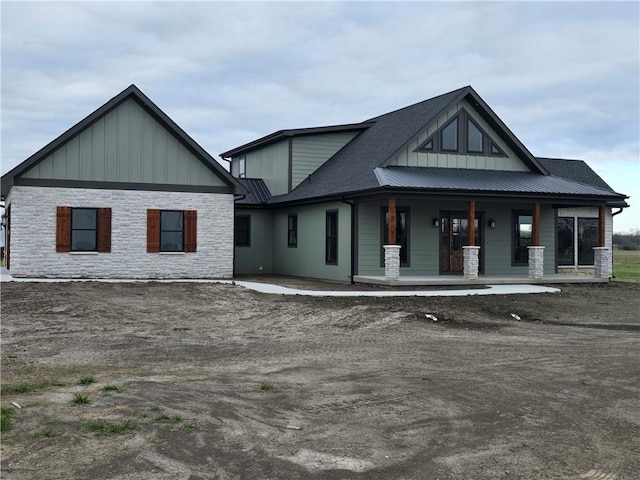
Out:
{"x": 462, "y": 135}
{"x": 449, "y": 137}
{"x": 475, "y": 138}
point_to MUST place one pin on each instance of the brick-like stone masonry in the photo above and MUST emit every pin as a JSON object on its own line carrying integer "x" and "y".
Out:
{"x": 392, "y": 262}
{"x": 471, "y": 261}
{"x": 33, "y": 234}
{"x": 603, "y": 262}
{"x": 536, "y": 262}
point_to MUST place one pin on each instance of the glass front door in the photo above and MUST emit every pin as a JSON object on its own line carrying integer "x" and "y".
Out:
{"x": 454, "y": 234}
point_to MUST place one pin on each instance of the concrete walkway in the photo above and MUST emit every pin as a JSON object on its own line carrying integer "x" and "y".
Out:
{"x": 280, "y": 290}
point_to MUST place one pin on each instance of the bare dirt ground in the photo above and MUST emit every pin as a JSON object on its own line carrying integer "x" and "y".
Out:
{"x": 224, "y": 383}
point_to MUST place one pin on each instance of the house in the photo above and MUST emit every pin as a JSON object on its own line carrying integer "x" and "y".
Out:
{"x": 125, "y": 193}
{"x": 438, "y": 189}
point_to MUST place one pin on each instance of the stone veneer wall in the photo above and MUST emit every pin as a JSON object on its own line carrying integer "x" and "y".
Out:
{"x": 33, "y": 234}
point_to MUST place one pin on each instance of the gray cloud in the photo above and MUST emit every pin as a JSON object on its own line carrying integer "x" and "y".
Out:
{"x": 563, "y": 76}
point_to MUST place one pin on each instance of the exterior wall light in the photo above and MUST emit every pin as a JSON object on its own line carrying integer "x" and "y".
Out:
{"x": 436, "y": 222}
{"x": 492, "y": 223}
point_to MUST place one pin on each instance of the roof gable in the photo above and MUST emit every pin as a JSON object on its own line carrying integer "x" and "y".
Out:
{"x": 128, "y": 140}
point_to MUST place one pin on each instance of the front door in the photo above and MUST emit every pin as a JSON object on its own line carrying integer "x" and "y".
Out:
{"x": 454, "y": 234}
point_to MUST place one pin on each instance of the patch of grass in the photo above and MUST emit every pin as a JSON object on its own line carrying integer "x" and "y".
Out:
{"x": 162, "y": 416}
{"x": 176, "y": 418}
{"x": 155, "y": 408}
{"x": 26, "y": 387}
{"x": 80, "y": 399}
{"x": 112, "y": 388}
{"x": 626, "y": 265}
{"x": 87, "y": 380}
{"x": 104, "y": 427}
{"x": 47, "y": 432}
{"x": 269, "y": 387}
{"x": 6, "y": 422}
{"x": 189, "y": 425}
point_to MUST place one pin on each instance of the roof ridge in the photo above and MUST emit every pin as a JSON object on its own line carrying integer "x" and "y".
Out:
{"x": 458, "y": 90}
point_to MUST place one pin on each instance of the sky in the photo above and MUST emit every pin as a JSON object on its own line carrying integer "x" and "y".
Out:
{"x": 563, "y": 76}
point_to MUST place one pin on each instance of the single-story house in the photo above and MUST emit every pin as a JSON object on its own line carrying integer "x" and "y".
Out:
{"x": 440, "y": 189}
{"x": 125, "y": 193}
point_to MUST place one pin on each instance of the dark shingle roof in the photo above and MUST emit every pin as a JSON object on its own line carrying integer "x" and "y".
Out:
{"x": 575, "y": 170}
{"x": 257, "y": 191}
{"x": 463, "y": 180}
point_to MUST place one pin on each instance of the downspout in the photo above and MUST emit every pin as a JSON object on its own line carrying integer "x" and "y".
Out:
{"x": 353, "y": 237}
{"x": 613, "y": 214}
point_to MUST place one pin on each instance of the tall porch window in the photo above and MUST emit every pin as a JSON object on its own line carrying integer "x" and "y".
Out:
{"x": 522, "y": 237}
{"x": 402, "y": 233}
{"x": 587, "y": 240}
{"x": 564, "y": 240}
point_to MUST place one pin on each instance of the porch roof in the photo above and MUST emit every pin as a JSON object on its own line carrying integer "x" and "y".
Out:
{"x": 490, "y": 181}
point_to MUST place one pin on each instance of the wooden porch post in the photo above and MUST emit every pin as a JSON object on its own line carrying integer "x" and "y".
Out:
{"x": 391, "y": 230}
{"x": 471, "y": 218}
{"x": 601, "y": 225}
{"x": 535, "y": 234}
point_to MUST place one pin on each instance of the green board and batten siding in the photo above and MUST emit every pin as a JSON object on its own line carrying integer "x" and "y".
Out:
{"x": 408, "y": 157}
{"x": 126, "y": 145}
{"x": 309, "y": 152}
{"x": 270, "y": 163}
{"x": 256, "y": 258}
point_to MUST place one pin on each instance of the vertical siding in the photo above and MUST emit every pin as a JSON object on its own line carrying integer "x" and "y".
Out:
{"x": 270, "y": 163}
{"x": 126, "y": 145}
{"x": 257, "y": 258}
{"x": 308, "y": 258}
{"x": 409, "y": 157}
{"x": 311, "y": 151}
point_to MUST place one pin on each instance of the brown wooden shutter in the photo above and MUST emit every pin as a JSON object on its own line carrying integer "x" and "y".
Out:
{"x": 153, "y": 230}
{"x": 190, "y": 230}
{"x": 104, "y": 230}
{"x": 63, "y": 229}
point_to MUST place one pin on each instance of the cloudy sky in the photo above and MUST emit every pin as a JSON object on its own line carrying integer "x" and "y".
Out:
{"x": 565, "y": 77}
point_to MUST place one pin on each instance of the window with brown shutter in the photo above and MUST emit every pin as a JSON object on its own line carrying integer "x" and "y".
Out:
{"x": 153, "y": 230}
{"x": 172, "y": 231}
{"x": 63, "y": 229}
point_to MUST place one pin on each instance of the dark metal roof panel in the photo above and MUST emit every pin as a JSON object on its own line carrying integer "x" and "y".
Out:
{"x": 257, "y": 191}
{"x": 469, "y": 180}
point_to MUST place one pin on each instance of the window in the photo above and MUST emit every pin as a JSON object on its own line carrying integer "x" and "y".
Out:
{"x": 331, "y": 242}
{"x": 522, "y": 237}
{"x": 83, "y": 229}
{"x": 587, "y": 240}
{"x": 449, "y": 137}
{"x": 292, "y": 231}
{"x": 171, "y": 231}
{"x": 475, "y": 138}
{"x": 242, "y": 233}
{"x": 242, "y": 167}
{"x": 402, "y": 233}
{"x": 462, "y": 134}
{"x": 564, "y": 240}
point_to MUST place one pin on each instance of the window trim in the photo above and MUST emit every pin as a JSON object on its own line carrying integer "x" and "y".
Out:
{"x": 455, "y": 120}
{"x": 514, "y": 223}
{"x": 242, "y": 167}
{"x": 483, "y": 137}
{"x": 235, "y": 236}
{"x": 328, "y": 239}
{"x": 292, "y": 227}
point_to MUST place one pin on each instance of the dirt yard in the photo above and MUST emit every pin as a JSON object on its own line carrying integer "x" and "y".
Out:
{"x": 214, "y": 381}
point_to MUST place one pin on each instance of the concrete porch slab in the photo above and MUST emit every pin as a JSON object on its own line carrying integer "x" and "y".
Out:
{"x": 459, "y": 280}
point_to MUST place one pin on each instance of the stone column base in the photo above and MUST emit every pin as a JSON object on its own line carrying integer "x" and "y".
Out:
{"x": 536, "y": 262}
{"x": 391, "y": 262}
{"x": 602, "y": 262}
{"x": 471, "y": 262}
